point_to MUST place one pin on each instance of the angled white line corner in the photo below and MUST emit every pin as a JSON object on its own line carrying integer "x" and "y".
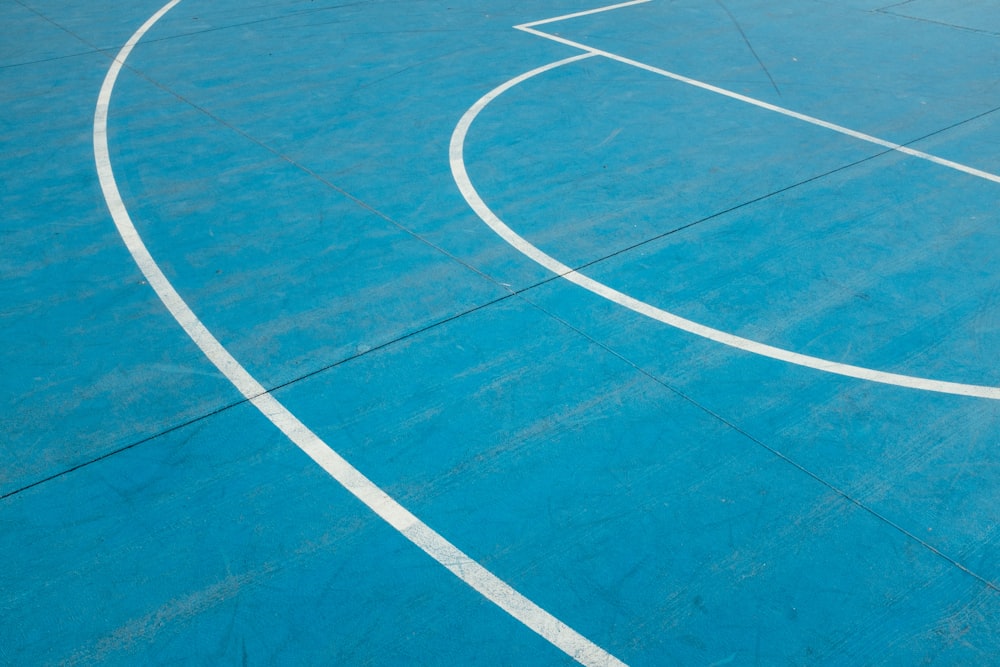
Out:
{"x": 588, "y": 12}
{"x": 950, "y": 164}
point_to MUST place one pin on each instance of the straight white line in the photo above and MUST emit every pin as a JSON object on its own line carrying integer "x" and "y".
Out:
{"x": 464, "y": 183}
{"x": 588, "y": 12}
{"x": 432, "y": 543}
{"x": 972, "y": 171}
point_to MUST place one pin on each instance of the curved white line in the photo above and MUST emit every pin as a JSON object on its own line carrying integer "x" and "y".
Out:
{"x": 432, "y": 543}
{"x": 461, "y": 176}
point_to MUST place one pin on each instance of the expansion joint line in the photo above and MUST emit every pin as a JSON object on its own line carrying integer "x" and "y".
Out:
{"x": 525, "y": 247}
{"x": 465, "y": 568}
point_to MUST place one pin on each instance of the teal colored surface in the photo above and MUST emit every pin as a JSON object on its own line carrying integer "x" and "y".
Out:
{"x": 673, "y": 500}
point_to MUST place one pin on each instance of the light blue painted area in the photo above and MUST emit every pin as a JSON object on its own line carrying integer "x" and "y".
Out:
{"x": 876, "y": 261}
{"x": 38, "y": 39}
{"x": 860, "y": 68}
{"x": 979, "y": 16}
{"x": 672, "y": 500}
{"x": 694, "y": 538}
{"x": 91, "y": 361}
{"x": 220, "y": 543}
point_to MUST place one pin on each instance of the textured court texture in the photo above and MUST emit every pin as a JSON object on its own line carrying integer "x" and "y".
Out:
{"x": 500, "y": 333}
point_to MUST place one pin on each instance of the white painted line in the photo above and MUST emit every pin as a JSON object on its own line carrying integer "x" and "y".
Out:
{"x": 437, "y": 547}
{"x": 972, "y": 171}
{"x": 587, "y": 12}
{"x": 461, "y": 176}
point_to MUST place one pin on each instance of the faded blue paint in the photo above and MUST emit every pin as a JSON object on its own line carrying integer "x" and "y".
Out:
{"x": 673, "y": 500}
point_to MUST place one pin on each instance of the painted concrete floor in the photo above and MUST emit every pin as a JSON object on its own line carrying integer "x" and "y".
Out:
{"x": 500, "y": 333}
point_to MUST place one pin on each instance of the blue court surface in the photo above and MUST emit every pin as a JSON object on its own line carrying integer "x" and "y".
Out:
{"x": 500, "y": 333}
